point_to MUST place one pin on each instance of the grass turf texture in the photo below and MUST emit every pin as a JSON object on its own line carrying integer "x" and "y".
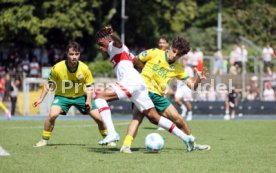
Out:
{"x": 237, "y": 146}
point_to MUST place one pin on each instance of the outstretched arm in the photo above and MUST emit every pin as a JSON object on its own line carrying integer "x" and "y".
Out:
{"x": 193, "y": 83}
{"x": 116, "y": 40}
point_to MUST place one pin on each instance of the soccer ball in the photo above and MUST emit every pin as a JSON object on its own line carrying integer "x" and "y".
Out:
{"x": 154, "y": 142}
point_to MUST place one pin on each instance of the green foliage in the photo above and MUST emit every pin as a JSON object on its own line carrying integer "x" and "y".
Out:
{"x": 40, "y": 22}
{"x": 37, "y": 22}
{"x": 101, "y": 68}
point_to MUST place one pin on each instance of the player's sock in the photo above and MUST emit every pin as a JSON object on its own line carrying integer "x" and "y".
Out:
{"x": 46, "y": 135}
{"x": 168, "y": 125}
{"x": 128, "y": 141}
{"x": 190, "y": 113}
{"x": 105, "y": 114}
{"x": 227, "y": 112}
{"x": 103, "y": 132}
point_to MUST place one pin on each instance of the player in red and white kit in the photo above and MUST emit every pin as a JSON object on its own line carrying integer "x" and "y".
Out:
{"x": 130, "y": 85}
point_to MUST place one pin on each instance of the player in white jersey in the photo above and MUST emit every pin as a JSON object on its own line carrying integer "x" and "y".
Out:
{"x": 184, "y": 93}
{"x": 130, "y": 85}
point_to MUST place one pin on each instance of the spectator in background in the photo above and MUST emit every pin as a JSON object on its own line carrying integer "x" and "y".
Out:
{"x": 268, "y": 93}
{"x": 34, "y": 71}
{"x": 2, "y": 88}
{"x": 7, "y": 87}
{"x": 34, "y": 67}
{"x": 211, "y": 94}
{"x": 233, "y": 57}
{"x": 238, "y": 58}
{"x": 267, "y": 54}
{"x": 218, "y": 62}
{"x": 14, "y": 94}
{"x": 163, "y": 43}
{"x": 199, "y": 57}
{"x": 254, "y": 86}
{"x": 244, "y": 56}
{"x": 191, "y": 59}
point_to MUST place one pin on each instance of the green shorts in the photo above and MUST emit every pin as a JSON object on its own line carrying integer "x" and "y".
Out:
{"x": 160, "y": 103}
{"x": 65, "y": 103}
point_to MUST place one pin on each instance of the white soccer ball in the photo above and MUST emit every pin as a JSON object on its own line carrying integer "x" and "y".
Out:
{"x": 154, "y": 142}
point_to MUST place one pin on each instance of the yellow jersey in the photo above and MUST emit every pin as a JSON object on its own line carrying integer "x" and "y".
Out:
{"x": 69, "y": 83}
{"x": 158, "y": 72}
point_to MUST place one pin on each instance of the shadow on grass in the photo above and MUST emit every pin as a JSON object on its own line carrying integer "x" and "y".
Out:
{"x": 109, "y": 150}
{"x": 151, "y": 128}
{"x": 54, "y": 145}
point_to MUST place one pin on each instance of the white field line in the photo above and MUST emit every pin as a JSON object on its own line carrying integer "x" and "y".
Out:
{"x": 3, "y": 152}
{"x": 62, "y": 126}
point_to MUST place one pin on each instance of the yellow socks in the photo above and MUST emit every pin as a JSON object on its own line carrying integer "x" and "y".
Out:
{"x": 46, "y": 135}
{"x": 103, "y": 132}
{"x": 128, "y": 141}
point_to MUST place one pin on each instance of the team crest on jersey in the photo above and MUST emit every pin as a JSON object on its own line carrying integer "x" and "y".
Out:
{"x": 144, "y": 53}
{"x": 172, "y": 67}
{"x": 80, "y": 76}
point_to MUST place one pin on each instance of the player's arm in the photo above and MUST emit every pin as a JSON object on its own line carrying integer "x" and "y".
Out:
{"x": 142, "y": 58}
{"x": 89, "y": 89}
{"x": 43, "y": 94}
{"x": 192, "y": 83}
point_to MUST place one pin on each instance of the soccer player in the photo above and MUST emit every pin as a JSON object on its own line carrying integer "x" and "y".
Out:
{"x": 160, "y": 67}
{"x": 183, "y": 92}
{"x": 72, "y": 83}
{"x": 163, "y": 43}
{"x": 130, "y": 85}
{"x": 7, "y": 112}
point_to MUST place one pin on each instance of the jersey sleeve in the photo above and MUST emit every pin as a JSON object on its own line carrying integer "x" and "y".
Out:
{"x": 146, "y": 55}
{"x": 182, "y": 75}
{"x": 53, "y": 75}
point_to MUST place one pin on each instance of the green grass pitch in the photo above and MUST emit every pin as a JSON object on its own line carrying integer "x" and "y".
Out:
{"x": 246, "y": 146}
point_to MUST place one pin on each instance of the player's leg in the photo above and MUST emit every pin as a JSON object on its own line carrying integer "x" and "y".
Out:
{"x": 49, "y": 125}
{"x": 171, "y": 113}
{"x": 132, "y": 130}
{"x": 117, "y": 91}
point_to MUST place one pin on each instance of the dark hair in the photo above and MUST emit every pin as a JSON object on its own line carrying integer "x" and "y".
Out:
{"x": 74, "y": 45}
{"x": 163, "y": 37}
{"x": 104, "y": 32}
{"x": 181, "y": 44}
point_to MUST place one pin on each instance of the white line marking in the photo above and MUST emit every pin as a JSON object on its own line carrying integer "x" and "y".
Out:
{"x": 3, "y": 152}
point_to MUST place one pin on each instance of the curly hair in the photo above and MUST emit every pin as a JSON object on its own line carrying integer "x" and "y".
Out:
{"x": 181, "y": 44}
{"x": 104, "y": 32}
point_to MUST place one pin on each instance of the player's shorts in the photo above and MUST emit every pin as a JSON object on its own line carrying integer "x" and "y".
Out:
{"x": 184, "y": 92}
{"x": 137, "y": 93}
{"x": 65, "y": 103}
{"x": 160, "y": 103}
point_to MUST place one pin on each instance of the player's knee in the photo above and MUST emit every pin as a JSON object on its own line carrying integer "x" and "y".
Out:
{"x": 100, "y": 102}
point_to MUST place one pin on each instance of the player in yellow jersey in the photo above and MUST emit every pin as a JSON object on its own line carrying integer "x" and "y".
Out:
{"x": 72, "y": 83}
{"x": 7, "y": 112}
{"x": 159, "y": 68}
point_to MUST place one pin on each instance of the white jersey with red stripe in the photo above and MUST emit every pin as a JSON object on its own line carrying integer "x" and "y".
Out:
{"x": 130, "y": 83}
{"x": 122, "y": 61}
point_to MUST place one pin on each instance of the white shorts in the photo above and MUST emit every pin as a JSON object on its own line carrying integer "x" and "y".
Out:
{"x": 135, "y": 92}
{"x": 184, "y": 92}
